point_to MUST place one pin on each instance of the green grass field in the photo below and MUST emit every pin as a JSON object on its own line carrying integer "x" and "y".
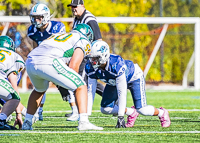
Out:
{"x": 183, "y": 106}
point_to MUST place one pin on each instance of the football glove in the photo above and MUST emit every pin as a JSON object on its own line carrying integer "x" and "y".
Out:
{"x": 120, "y": 122}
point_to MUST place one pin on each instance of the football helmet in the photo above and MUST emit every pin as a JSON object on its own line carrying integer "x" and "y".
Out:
{"x": 86, "y": 30}
{"x": 40, "y": 10}
{"x": 99, "y": 54}
{"x": 7, "y": 42}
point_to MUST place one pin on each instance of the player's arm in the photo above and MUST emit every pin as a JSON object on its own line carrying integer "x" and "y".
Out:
{"x": 29, "y": 35}
{"x": 121, "y": 85}
{"x": 92, "y": 85}
{"x": 76, "y": 59}
{"x": 12, "y": 78}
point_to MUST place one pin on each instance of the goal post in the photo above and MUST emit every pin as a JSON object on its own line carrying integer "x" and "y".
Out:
{"x": 144, "y": 20}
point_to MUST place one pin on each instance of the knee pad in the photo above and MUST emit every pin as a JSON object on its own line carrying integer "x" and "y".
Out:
{"x": 110, "y": 110}
{"x": 147, "y": 110}
{"x": 106, "y": 110}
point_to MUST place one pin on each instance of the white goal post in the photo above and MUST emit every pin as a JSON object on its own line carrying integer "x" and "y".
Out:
{"x": 145, "y": 20}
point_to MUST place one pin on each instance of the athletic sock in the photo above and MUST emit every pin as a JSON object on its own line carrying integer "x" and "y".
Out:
{"x": 83, "y": 117}
{"x": 24, "y": 110}
{"x": 129, "y": 111}
{"x": 161, "y": 112}
{"x": 74, "y": 109}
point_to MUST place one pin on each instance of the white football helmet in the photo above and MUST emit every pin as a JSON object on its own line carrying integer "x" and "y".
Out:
{"x": 40, "y": 10}
{"x": 99, "y": 54}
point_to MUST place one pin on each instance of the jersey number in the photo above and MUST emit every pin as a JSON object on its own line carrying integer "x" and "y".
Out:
{"x": 2, "y": 55}
{"x": 61, "y": 38}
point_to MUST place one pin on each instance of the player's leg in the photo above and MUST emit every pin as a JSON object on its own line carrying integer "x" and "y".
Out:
{"x": 74, "y": 116}
{"x": 100, "y": 88}
{"x": 109, "y": 104}
{"x": 137, "y": 88}
{"x": 66, "y": 97}
{"x": 109, "y": 99}
{"x": 37, "y": 77}
{"x": 40, "y": 110}
{"x": 12, "y": 101}
{"x": 69, "y": 79}
{"x": 60, "y": 74}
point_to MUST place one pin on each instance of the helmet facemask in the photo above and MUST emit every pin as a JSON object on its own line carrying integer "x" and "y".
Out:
{"x": 95, "y": 61}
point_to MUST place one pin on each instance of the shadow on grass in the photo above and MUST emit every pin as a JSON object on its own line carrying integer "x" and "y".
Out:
{"x": 53, "y": 127}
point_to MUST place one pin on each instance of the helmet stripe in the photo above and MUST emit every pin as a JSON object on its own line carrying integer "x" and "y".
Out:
{"x": 35, "y": 8}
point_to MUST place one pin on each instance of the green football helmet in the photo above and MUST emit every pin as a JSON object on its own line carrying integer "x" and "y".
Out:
{"x": 7, "y": 42}
{"x": 86, "y": 30}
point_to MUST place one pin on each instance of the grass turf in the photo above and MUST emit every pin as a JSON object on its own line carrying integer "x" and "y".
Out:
{"x": 185, "y": 124}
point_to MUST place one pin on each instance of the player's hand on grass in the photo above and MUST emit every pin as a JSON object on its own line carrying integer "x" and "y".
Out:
{"x": 120, "y": 122}
{"x": 18, "y": 121}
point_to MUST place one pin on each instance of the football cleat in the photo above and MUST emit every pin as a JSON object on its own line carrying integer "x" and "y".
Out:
{"x": 86, "y": 125}
{"x": 68, "y": 115}
{"x": 164, "y": 119}
{"x": 5, "y": 126}
{"x": 27, "y": 125}
{"x": 73, "y": 117}
{"x": 131, "y": 118}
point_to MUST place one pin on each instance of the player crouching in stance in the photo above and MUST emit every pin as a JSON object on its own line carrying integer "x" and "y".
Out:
{"x": 11, "y": 64}
{"x": 60, "y": 64}
{"x": 119, "y": 75}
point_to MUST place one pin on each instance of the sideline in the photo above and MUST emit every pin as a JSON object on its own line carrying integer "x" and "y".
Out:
{"x": 104, "y": 132}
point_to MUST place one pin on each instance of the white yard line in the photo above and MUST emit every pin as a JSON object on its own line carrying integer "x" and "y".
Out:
{"x": 114, "y": 118}
{"x": 101, "y": 132}
{"x": 173, "y": 110}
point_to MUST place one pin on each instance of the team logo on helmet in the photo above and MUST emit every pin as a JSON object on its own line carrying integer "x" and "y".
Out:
{"x": 86, "y": 30}
{"x": 7, "y": 42}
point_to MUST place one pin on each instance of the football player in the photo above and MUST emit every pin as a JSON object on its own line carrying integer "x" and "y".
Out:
{"x": 119, "y": 75}
{"x": 42, "y": 28}
{"x": 60, "y": 64}
{"x": 11, "y": 64}
{"x": 81, "y": 15}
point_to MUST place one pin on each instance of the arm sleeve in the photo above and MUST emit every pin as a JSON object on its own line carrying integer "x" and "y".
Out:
{"x": 121, "y": 85}
{"x": 95, "y": 28}
{"x": 92, "y": 85}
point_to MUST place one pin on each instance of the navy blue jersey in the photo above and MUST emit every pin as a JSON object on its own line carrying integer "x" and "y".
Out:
{"x": 115, "y": 67}
{"x": 53, "y": 27}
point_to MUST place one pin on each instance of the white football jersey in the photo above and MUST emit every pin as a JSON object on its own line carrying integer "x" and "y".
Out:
{"x": 10, "y": 61}
{"x": 60, "y": 46}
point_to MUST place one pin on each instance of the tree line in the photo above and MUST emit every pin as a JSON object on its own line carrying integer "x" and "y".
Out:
{"x": 132, "y": 41}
